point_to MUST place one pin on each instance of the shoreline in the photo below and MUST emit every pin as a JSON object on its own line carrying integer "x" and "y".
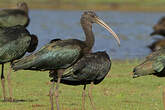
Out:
{"x": 99, "y": 7}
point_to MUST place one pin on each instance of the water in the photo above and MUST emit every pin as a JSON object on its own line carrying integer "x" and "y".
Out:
{"x": 133, "y": 29}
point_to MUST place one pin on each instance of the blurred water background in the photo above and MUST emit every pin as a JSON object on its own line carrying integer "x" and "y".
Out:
{"x": 133, "y": 29}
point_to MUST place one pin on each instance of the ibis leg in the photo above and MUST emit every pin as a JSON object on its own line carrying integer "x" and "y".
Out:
{"x": 56, "y": 90}
{"x": 51, "y": 92}
{"x": 164, "y": 98}
{"x": 83, "y": 98}
{"x": 3, "y": 83}
{"x": 90, "y": 96}
{"x": 9, "y": 85}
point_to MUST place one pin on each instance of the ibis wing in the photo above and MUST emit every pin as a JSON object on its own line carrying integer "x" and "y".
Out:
{"x": 52, "y": 56}
{"x": 12, "y": 17}
{"x": 75, "y": 69}
{"x": 156, "y": 53}
{"x": 14, "y": 50}
{"x": 90, "y": 66}
{"x": 159, "y": 63}
{"x": 9, "y": 34}
{"x": 14, "y": 42}
{"x": 72, "y": 75}
{"x": 158, "y": 59}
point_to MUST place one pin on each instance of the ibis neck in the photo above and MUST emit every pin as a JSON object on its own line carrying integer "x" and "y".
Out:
{"x": 87, "y": 27}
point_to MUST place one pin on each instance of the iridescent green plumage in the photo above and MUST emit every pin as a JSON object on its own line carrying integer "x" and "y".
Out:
{"x": 55, "y": 55}
{"x": 154, "y": 64}
{"x": 61, "y": 54}
{"x": 14, "y": 42}
{"x": 91, "y": 67}
{"x": 13, "y": 17}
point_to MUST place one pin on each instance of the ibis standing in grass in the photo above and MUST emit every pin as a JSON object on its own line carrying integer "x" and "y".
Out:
{"x": 16, "y": 16}
{"x": 15, "y": 41}
{"x": 61, "y": 54}
{"x": 11, "y": 18}
{"x": 90, "y": 69}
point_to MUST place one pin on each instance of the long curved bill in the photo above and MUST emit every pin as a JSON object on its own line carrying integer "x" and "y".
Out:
{"x": 102, "y": 23}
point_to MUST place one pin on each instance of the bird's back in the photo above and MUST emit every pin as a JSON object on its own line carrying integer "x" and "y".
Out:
{"x": 159, "y": 28}
{"x": 14, "y": 42}
{"x": 153, "y": 64}
{"x": 13, "y": 17}
{"x": 58, "y": 54}
{"x": 91, "y": 67}
{"x": 159, "y": 44}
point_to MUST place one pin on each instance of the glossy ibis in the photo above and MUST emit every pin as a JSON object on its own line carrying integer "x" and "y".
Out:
{"x": 61, "y": 54}
{"x": 13, "y": 17}
{"x": 15, "y": 41}
{"x": 159, "y": 28}
{"x": 153, "y": 65}
{"x": 159, "y": 44}
{"x": 90, "y": 69}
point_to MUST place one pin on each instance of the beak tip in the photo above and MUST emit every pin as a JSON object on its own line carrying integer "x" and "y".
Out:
{"x": 118, "y": 42}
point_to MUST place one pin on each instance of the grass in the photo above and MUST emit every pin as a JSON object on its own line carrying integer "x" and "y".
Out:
{"x": 141, "y": 2}
{"x": 121, "y": 5}
{"x": 118, "y": 91}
